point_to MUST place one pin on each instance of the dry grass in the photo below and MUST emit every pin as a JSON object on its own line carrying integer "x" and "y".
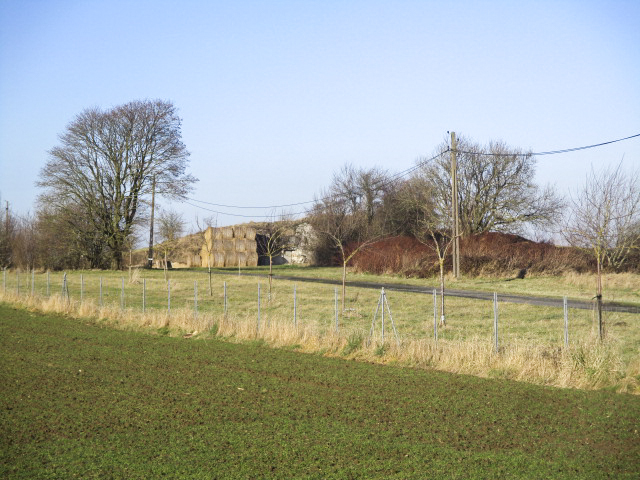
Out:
{"x": 586, "y": 364}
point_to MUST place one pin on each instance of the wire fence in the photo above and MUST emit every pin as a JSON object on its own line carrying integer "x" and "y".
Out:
{"x": 408, "y": 315}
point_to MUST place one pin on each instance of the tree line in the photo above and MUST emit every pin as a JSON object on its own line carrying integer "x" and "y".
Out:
{"x": 97, "y": 183}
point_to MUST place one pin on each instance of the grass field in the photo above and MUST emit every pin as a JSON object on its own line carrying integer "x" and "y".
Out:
{"x": 81, "y": 400}
{"x": 530, "y": 338}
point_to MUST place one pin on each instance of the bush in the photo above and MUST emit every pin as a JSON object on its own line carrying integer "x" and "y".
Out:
{"x": 487, "y": 254}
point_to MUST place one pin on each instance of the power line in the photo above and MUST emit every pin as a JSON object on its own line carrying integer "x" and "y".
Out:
{"x": 385, "y": 182}
{"x": 551, "y": 152}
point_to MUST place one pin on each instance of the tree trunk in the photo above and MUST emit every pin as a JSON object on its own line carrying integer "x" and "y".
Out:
{"x": 270, "y": 274}
{"x": 344, "y": 282}
{"x": 442, "y": 315}
{"x": 210, "y": 287}
{"x": 599, "y": 300}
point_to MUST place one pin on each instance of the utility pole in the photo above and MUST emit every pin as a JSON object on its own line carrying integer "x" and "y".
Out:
{"x": 153, "y": 204}
{"x": 455, "y": 229}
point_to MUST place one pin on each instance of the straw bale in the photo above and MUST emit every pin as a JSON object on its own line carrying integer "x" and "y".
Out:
{"x": 252, "y": 259}
{"x": 203, "y": 260}
{"x": 239, "y": 232}
{"x": 241, "y": 245}
{"x": 229, "y": 245}
{"x": 218, "y": 245}
{"x": 209, "y": 235}
{"x": 242, "y": 259}
{"x": 230, "y": 259}
{"x": 217, "y": 234}
{"x": 250, "y": 233}
{"x": 252, "y": 246}
{"x": 218, "y": 259}
{"x": 227, "y": 232}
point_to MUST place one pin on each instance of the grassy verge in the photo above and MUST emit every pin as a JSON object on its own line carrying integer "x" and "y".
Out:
{"x": 531, "y": 338}
{"x": 81, "y": 400}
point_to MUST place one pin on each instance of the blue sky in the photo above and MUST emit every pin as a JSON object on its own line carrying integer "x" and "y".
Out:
{"x": 276, "y": 96}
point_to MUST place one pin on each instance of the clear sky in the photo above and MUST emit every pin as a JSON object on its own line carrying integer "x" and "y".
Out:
{"x": 275, "y": 96}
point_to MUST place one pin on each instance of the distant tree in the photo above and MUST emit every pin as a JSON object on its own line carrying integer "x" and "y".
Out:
{"x": 7, "y": 234}
{"x": 170, "y": 229}
{"x": 360, "y": 190}
{"x": 25, "y": 243}
{"x": 347, "y": 233}
{"x": 67, "y": 238}
{"x": 603, "y": 219}
{"x": 427, "y": 227}
{"x": 496, "y": 188}
{"x": 105, "y": 163}
{"x": 276, "y": 239}
{"x": 206, "y": 229}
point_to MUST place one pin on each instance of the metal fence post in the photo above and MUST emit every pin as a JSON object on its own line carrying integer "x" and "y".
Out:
{"x": 336, "y": 307}
{"x": 565, "y": 303}
{"x": 225, "y": 300}
{"x": 295, "y": 307}
{"x": 195, "y": 300}
{"x": 435, "y": 314}
{"x": 495, "y": 320}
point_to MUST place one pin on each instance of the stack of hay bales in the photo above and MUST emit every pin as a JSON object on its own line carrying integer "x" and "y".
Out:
{"x": 230, "y": 247}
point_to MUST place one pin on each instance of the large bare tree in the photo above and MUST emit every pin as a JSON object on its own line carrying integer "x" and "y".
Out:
{"x": 496, "y": 188}
{"x": 603, "y": 219}
{"x": 105, "y": 163}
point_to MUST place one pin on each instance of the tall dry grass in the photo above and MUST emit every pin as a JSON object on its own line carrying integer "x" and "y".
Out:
{"x": 588, "y": 364}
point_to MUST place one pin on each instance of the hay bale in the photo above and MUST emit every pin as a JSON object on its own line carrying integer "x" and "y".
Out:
{"x": 218, "y": 259}
{"x": 252, "y": 259}
{"x": 250, "y": 233}
{"x": 203, "y": 260}
{"x": 217, "y": 234}
{"x": 251, "y": 246}
{"x": 227, "y": 232}
{"x": 239, "y": 232}
{"x": 218, "y": 245}
{"x": 229, "y": 245}
{"x": 230, "y": 259}
{"x": 241, "y": 245}
{"x": 242, "y": 259}
{"x": 209, "y": 234}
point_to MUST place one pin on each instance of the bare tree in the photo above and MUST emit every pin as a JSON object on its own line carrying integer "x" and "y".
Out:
{"x": 7, "y": 234}
{"x": 496, "y": 191}
{"x": 361, "y": 190}
{"x": 276, "y": 239}
{"x": 25, "y": 243}
{"x": 106, "y": 161}
{"x": 347, "y": 233}
{"x": 206, "y": 236}
{"x": 170, "y": 229}
{"x": 427, "y": 227}
{"x": 603, "y": 219}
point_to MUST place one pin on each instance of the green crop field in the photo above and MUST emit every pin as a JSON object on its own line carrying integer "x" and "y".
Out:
{"x": 81, "y": 400}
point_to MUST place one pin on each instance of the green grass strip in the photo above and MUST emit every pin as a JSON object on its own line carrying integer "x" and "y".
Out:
{"x": 78, "y": 399}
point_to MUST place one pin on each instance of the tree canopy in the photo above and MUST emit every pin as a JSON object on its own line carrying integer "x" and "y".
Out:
{"x": 105, "y": 163}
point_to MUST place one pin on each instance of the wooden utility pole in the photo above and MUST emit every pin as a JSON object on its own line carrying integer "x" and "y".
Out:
{"x": 455, "y": 229}
{"x": 153, "y": 203}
